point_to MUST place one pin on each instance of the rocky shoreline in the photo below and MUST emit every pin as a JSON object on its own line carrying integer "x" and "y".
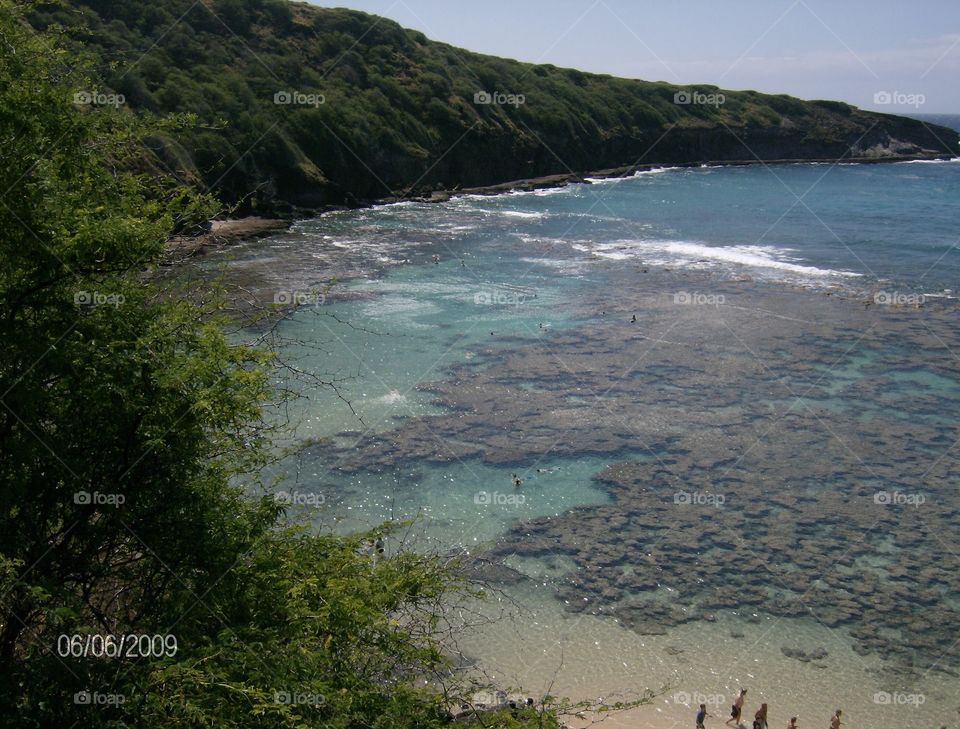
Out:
{"x": 231, "y": 231}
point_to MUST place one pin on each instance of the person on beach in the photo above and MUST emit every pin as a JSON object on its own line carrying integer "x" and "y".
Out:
{"x": 760, "y": 718}
{"x": 835, "y": 719}
{"x": 737, "y": 709}
{"x": 701, "y": 715}
{"x": 792, "y": 724}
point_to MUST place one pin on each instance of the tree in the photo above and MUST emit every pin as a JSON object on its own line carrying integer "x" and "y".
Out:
{"x": 131, "y": 433}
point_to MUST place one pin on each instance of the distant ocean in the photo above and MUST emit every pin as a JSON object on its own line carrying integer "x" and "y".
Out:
{"x": 947, "y": 120}
{"x": 730, "y": 396}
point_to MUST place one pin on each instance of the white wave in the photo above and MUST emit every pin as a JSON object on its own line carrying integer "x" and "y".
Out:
{"x": 952, "y": 160}
{"x": 656, "y": 171}
{"x": 394, "y": 397}
{"x": 638, "y": 173}
{"x": 522, "y": 214}
{"x": 545, "y": 191}
{"x": 690, "y": 253}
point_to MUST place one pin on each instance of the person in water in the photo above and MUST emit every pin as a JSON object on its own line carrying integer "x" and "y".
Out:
{"x": 760, "y": 718}
{"x": 737, "y": 708}
{"x": 517, "y": 481}
{"x": 701, "y": 715}
{"x": 835, "y": 719}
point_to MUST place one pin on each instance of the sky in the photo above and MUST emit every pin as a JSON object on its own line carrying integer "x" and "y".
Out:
{"x": 885, "y": 55}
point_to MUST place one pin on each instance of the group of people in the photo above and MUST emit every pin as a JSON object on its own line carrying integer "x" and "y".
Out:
{"x": 759, "y": 719}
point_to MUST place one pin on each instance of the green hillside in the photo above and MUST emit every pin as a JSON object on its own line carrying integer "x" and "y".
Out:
{"x": 378, "y": 110}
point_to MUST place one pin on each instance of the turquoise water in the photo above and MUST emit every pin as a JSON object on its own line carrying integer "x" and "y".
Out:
{"x": 766, "y": 451}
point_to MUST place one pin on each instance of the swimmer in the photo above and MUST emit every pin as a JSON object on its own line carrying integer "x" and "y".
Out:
{"x": 835, "y": 719}
{"x": 737, "y": 709}
{"x": 701, "y": 715}
{"x": 760, "y": 718}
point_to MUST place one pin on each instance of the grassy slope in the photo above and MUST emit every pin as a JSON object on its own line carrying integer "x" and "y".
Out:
{"x": 399, "y": 111}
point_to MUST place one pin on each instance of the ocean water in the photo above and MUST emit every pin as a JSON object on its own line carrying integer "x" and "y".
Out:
{"x": 730, "y": 396}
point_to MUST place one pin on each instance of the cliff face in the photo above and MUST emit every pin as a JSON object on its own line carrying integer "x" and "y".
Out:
{"x": 307, "y": 106}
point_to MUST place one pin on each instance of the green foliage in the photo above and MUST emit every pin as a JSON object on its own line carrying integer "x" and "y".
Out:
{"x": 398, "y": 109}
{"x": 130, "y": 427}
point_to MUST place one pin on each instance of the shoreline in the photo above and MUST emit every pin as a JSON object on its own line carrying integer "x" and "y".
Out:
{"x": 561, "y": 180}
{"x": 231, "y": 231}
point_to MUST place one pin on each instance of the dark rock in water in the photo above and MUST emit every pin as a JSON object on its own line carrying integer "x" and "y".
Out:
{"x": 484, "y": 570}
{"x": 817, "y": 654}
{"x": 797, "y": 537}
